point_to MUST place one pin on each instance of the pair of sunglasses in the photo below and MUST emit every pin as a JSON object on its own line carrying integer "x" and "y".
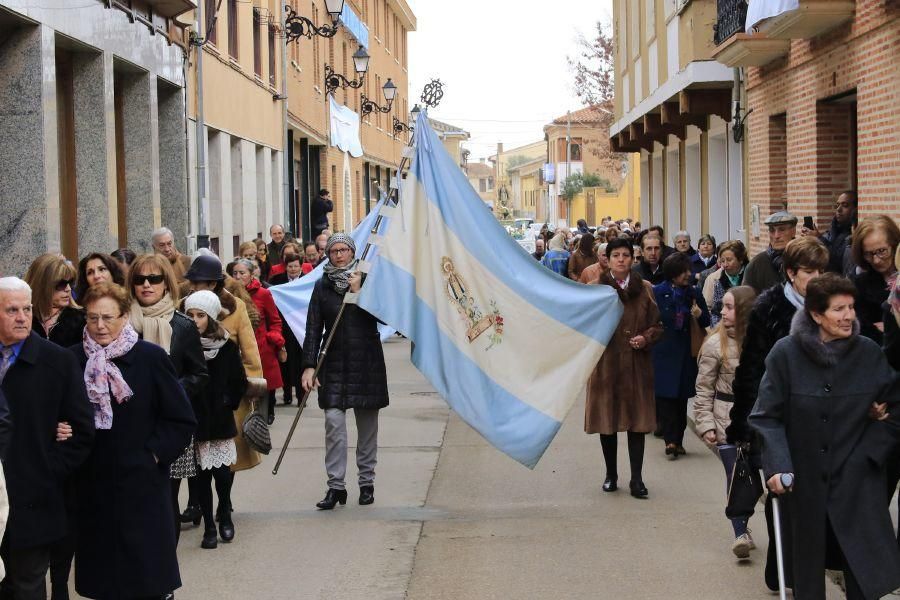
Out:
{"x": 62, "y": 284}
{"x": 155, "y": 279}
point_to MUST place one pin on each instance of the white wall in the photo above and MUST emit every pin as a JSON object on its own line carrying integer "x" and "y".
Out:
{"x": 657, "y": 188}
{"x": 673, "y": 191}
{"x": 693, "y": 204}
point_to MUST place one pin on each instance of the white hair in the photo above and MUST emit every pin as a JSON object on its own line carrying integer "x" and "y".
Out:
{"x": 14, "y": 284}
{"x": 682, "y": 234}
{"x": 158, "y": 233}
{"x": 203, "y": 252}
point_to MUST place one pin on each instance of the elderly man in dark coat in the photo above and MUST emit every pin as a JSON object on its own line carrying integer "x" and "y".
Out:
{"x": 43, "y": 387}
{"x": 815, "y": 419}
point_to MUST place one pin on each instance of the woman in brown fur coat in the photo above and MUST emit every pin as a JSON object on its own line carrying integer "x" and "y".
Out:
{"x": 620, "y": 394}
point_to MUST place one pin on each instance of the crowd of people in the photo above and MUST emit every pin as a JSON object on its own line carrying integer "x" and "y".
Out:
{"x": 147, "y": 369}
{"x": 790, "y": 359}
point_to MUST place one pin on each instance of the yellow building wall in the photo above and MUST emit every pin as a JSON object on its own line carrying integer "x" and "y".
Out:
{"x": 626, "y": 203}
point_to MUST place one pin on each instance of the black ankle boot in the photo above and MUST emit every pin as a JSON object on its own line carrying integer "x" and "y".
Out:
{"x": 366, "y": 494}
{"x": 611, "y": 484}
{"x": 638, "y": 489}
{"x": 332, "y": 498}
{"x": 210, "y": 540}
{"x": 226, "y": 525}
{"x": 191, "y": 514}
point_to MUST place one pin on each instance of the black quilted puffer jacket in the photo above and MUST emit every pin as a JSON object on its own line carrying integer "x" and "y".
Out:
{"x": 353, "y": 375}
{"x": 770, "y": 320}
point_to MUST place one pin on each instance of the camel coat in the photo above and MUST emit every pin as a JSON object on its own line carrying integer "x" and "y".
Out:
{"x": 620, "y": 394}
{"x": 241, "y": 332}
{"x": 712, "y": 404}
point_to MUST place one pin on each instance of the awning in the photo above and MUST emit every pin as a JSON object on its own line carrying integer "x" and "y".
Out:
{"x": 764, "y": 9}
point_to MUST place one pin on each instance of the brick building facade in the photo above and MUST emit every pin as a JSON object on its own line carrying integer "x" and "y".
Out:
{"x": 825, "y": 120}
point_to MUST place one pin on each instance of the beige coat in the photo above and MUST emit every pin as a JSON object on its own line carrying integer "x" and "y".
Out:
{"x": 620, "y": 394}
{"x": 714, "y": 376}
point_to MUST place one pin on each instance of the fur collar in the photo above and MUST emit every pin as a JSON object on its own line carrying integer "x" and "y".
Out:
{"x": 806, "y": 332}
{"x": 229, "y": 305}
{"x": 634, "y": 289}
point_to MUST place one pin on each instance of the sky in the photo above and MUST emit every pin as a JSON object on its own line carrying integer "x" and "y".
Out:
{"x": 502, "y": 62}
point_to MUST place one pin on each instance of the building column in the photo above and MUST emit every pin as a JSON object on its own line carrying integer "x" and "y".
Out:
{"x": 138, "y": 91}
{"x": 268, "y": 210}
{"x": 646, "y": 162}
{"x": 173, "y": 197}
{"x": 249, "y": 224}
{"x": 219, "y": 169}
{"x": 704, "y": 184}
{"x": 29, "y": 178}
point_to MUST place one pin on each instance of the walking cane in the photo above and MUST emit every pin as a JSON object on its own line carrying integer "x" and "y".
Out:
{"x": 431, "y": 97}
{"x": 787, "y": 480}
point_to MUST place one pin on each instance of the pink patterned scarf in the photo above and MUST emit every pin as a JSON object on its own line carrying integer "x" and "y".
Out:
{"x": 102, "y": 376}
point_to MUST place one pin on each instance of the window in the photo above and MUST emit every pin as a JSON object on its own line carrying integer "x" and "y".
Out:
{"x": 210, "y": 16}
{"x": 233, "y": 28}
{"x": 257, "y": 43}
{"x": 482, "y": 185}
{"x": 396, "y": 37}
{"x": 403, "y": 47}
{"x": 375, "y": 16}
{"x": 272, "y": 78}
{"x": 387, "y": 26}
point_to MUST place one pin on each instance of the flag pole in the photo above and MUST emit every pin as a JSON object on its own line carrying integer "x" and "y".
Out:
{"x": 431, "y": 97}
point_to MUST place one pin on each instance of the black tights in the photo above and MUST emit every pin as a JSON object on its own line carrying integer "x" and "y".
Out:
{"x": 610, "y": 444}
{"x": 201, "y": 491}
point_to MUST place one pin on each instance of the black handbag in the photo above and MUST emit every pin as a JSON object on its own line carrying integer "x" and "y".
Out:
{"x": 746, "y": 487}
{"x": 256, "y": 432}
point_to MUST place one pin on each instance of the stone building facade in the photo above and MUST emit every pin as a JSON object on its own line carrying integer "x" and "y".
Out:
{"x": 92, "y": 126}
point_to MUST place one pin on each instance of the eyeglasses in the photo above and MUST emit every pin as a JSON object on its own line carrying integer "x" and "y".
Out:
{"x": 881, "y": 253}
{"x": 339, "y": 251}
{"x": 63, "y": 284}
{"x": 105, "y": 319}
{"x": 155, "y": 279}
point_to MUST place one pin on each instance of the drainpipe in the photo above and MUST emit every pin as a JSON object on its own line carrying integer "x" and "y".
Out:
{"x": 285, "y": 152}
{"x": 202, "y": 200}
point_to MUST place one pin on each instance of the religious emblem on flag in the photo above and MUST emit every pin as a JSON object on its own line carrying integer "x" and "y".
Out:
{"x": 475, "y": 321}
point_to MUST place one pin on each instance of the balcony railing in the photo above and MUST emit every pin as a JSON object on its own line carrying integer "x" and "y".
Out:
{"x": 730, "y": 18}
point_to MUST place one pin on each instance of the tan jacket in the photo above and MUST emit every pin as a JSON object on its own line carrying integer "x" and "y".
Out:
{"x": 714, "y": 377}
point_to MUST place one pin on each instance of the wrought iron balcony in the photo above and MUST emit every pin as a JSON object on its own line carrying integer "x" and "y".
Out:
{"x": 730, "y": 18}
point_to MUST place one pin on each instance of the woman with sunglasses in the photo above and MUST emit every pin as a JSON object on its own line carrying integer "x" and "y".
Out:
{"x": 154, "y": 295}
{"x": 56, "y": 316}
{"x": 353, "y": 375}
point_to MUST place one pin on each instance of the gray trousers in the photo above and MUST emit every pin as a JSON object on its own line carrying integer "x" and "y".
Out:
{"x": 336, "y": 446}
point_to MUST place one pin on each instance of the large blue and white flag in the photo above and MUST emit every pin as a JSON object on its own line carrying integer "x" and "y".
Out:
{"x": 506, "y": 342}
{"x": 292, "y": 299}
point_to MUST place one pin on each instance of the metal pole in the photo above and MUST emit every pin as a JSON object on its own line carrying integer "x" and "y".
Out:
{"x": 200, "y": 142}
{"x": 779, "y": 549}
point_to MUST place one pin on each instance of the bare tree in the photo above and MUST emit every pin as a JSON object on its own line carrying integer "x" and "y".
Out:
{"x": 594, "y": 67}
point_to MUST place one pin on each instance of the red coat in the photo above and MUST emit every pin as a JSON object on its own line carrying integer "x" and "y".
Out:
{"x": 268, "y": 334}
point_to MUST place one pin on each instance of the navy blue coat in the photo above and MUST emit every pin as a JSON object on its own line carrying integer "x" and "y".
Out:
{"x": 126, "y": 542}
{"x": 674, "y": 369}
{"x": 43, "y": 387}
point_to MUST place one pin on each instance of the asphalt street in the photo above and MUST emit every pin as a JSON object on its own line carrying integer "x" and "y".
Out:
{"x": 456, "y": 519}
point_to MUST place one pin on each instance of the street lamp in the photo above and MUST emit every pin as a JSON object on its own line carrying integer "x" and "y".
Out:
{"x": 296, "y": 26}
{"x": 368, "y": 106}
{"x": 400, "y": 126}
{"x": 333, "y": 80}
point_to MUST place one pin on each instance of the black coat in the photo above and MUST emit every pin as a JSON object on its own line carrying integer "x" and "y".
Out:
{"x": 643, "y": 269}
{"x": 770, "y": 320}
{"x": 353, "y": 375}
{"x": 43, "y": 387}
{"x": 813, "y": 418}
{"x": 837, "y": 240}
{"x": 318, "y": 212}
{"x": 891, "y": 343}
{"x": 126, "y": 543}
{"x": 186, "y": 353}
{"x": 871, "y": 293}
{"x": 5, "y": 427}
{"x": 68, "y": 330}
{"x": 220, "y": 398}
